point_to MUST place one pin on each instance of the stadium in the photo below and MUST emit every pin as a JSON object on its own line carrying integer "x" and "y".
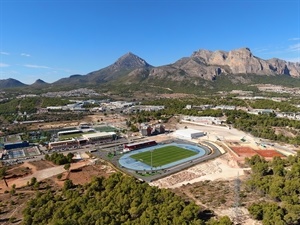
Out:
{"x": 164, "y": 156}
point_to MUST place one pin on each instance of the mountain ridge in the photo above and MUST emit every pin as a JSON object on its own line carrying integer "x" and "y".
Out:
{"x": 11, "y": 83}
{"x": 201, "y": 65}
{"x": 243, "y": 61}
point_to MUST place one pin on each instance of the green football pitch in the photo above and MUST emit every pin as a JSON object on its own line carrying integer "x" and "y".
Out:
{"x": 105, "y": 129}
{"x": 164, "y": 155}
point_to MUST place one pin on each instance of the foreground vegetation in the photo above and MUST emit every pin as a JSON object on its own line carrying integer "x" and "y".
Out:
{"x": 116, "y": 200}
{"x": 279, "y": 181}
{"x": 265, "y": 126}
{"x": 120, "y": 199}
{"x": 59, "y": 158}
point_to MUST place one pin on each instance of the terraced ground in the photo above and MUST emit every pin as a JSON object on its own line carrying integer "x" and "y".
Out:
{"x": 164, "y": 155}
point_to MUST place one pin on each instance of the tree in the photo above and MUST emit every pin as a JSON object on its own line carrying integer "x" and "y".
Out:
{"x": 68, "y": 184}
{"x": 13, "y": 190}
{"x": 33, "y": 181}
{"x": 134, "y": 128}
{"x": 3, "y": 172}
{"x": 59, "y": 158}
{"x": 225, "y": 220}
{"x": 256, "y": 210}
{"x": 70, "y": 157}
{"x": 59, "y": 176}
{"x": 36, "y": 185}
{"x": 47, "y": 157}
{"x": 67, "y": 166}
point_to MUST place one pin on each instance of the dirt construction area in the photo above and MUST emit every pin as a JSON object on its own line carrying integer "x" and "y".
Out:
{"x": 80, "y": 172}
{"x": 223, "y": 167}
{"x": 15, "y": 191}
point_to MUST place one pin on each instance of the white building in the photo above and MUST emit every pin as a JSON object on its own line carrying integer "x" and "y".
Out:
{"x": 202, "y": 119}
{"x": 100, "y": 136}
{"x": 188, "y": 134}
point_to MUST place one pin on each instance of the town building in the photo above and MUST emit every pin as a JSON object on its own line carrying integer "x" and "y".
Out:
{"x": 100, "y": 137}
{"x": 22, "y": 144}
{"x": 188, "y": 134}
{"x": 148, "y": 130}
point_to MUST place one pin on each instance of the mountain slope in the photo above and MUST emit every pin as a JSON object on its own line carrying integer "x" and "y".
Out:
{"x": 122, "y": 67}
{"x": 198, "y": 69}
{"x": 71, "y": 80}
{"x": 208, "y": 65}
{"x": 39, "y": 84}
{"x": 11, "y": 83}
{"x": 243, "y": 61}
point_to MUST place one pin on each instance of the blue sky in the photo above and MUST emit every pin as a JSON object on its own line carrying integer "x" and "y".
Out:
{"x": 51, "y": 39}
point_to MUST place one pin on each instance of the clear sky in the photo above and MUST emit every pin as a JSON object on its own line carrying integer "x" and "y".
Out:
{"x": 51, "y": 39}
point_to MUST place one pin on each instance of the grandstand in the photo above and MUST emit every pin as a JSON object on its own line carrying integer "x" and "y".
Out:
{"x": 68, "y": 132}
{"x": 138, "y": 145}
{"x": 100, "y": 137}
{"x": 63, "y": 144}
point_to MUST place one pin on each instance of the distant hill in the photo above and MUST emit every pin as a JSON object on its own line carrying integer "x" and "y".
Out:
{"x": 39, "y": 83}
{"x": 72, "y": 80}
{"x": 198, "y": 70}
{"x": 11, "y": 83}
{"x": 123, "y": 66}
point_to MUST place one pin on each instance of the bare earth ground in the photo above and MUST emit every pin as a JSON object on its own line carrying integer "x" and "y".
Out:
{"x": 83, "y": 170}
{"x": 219, "y": 168}
{"x": 12, "y": 205}
{"x": 219, "y": 196}
{"x": 39, "y": 175}
{"x": 85, "y": 175}
{"x": 94, "y": 119}
{"x": 221, "y": 173}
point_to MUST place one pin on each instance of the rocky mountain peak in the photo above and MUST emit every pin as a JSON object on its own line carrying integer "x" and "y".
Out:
{"x": 242, "y": 60}
{"x": 130, "y": 61}
{"x": 243, "y": 53}
{"x": 39, "y": 81}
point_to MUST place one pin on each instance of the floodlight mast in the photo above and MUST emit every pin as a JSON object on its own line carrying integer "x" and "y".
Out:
{"x": 151, "y": 159}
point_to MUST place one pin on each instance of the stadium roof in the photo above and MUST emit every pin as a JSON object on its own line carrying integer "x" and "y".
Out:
{"x": 139, "y": 143}
{"x": 187, "y": 131}
{"x": 69, "y": 132}
{"x": 98, "y": 134}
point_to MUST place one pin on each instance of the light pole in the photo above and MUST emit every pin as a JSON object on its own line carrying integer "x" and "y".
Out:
{"x": 151, "y": 159}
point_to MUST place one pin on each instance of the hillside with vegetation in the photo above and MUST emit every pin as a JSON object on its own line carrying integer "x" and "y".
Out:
{"x": 118, "y": 199}
{"x": 279, "y": 181}
{"x": 121, "y": 199}
{"x": 266, "y": 126}
{"x": 202, "y": 71}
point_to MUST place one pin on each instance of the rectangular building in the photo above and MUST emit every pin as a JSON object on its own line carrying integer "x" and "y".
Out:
{"x": 138, "y": 145}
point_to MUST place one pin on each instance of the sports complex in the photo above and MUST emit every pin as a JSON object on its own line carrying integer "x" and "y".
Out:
{"x": 23, "y": 152}
{"x": 164, "y": 156}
